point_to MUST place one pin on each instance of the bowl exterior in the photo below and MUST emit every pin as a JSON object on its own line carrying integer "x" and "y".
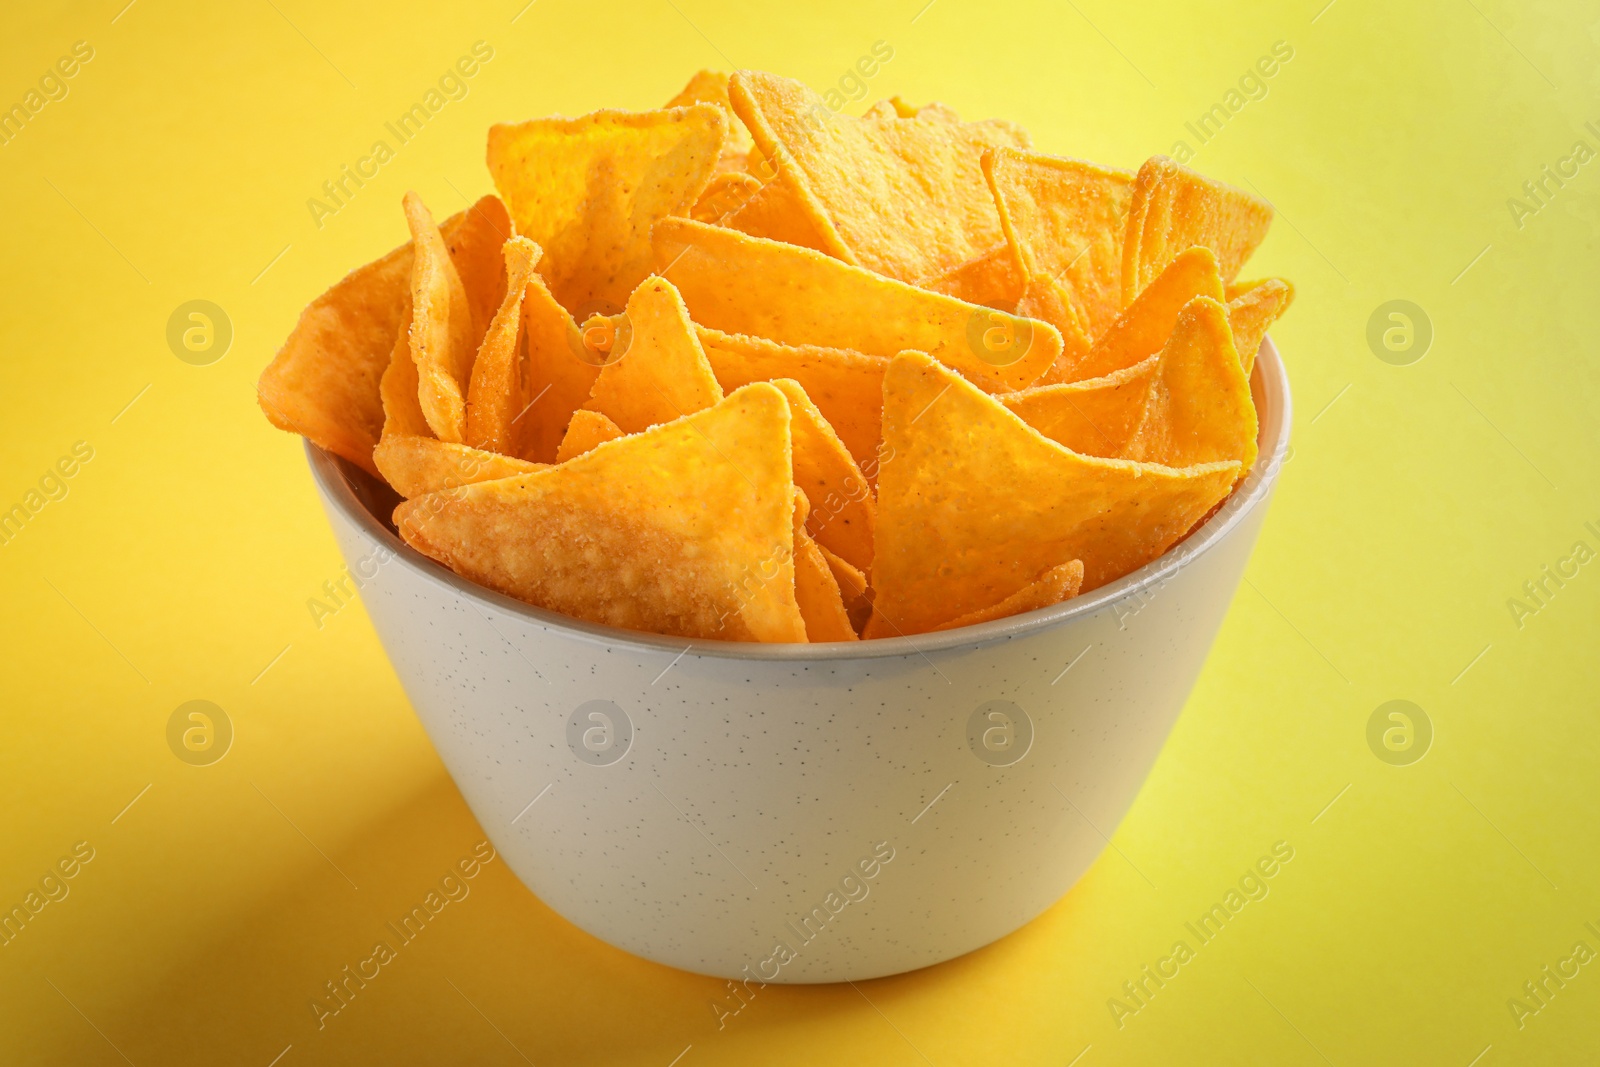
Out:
{"x": 798, "y": 820}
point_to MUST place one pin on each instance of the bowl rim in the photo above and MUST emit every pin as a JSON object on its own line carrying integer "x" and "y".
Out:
{"x": 1269, "y": 383}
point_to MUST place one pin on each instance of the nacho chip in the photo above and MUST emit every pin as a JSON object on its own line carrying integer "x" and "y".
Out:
{"x": 499, "y": 372}
{"x": 1144, "y": 326}
{"x": 662, "y": 374}
{"x": 976, "y": 504}
{"x": 1173, "y": 208}
{"x": 711, "y": 87}
{"x": 846, "y": 172}
{"x": 1063, "y": 220}
{"x": 588, "y": 189}
{"x": 324, "y": 381}
{"x": 846, "y": 386}
{"x": 742, "y": 284}
{"x": 1050, "y": 588}
{"x": 588, "y": 429}
{"x": 562, "y": 370}
{"x": 841, "y": 500}
{"x": 1251, "y": 309}
{"x": 417, "y": 466}
{"x": 442, "y": 344}
{"x": 726, "y": 194}
{"x": 776, "y": 213}
{"x": 817, "y": 593}
{"x": 1199, "y": 409}
{"x": 402, "y": 411}
{"x": 685, "y": 530}
{"x": 476, "y": 250}
{"x": 991, "y": 279}
{"x": 1095, "y": 417}
{"x": 1044, "y": 299}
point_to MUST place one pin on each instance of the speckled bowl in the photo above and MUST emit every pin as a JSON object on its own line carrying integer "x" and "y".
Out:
{"x": 803, "y": 813}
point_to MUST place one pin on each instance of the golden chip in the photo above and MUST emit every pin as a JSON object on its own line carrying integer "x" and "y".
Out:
{"x": 903, "y": 197}
{"x": 742, "y": 284}
{"x": 442, "y": 341}
{"x": 1144, "y": 326}
{"x": 588, "y": 429}
{"x": 711, "y": 87}
{"x": 1199, "y": 410}
{"x": 1096, "y": 416}
{"x": 726, "y": 194}
{"x": 1174, "y": 208}
{"x": 588, "y": 189}
{"x": 499, "y": 373}
{"x": 416, "y": 466}
{"x": 402, "y": 411}
{"x": 817, "y": 593}
{"x": 991, "y": 279}
{"x": 324, "y": 381}
{"x": 561, "y": 372}
{"x": 975, "y": 503}
{"x": 1050, "y": 588}
{"x": 841, "y": 514}
{"x": 686, "y": 529}
{"x": 1251, "y": 309}
{"x": 776, "y": 213}
{"x": 1063, "y": 221}
{"x": 846, "y": 386}
{"x": 662, "y": 374}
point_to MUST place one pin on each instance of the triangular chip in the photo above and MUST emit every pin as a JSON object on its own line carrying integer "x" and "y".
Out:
{"x": 726, "y": 194}
{"x": 1096, "y": 417}
{"x": 500, "y": 373}
{"x": 976, "y": 504}
{"x": 742, "y": 284}
{"x": 562, "y": 370}
{"x": 711, "y": 87}
{"x": 1046, "y": 300}
{"x": 816, "y": 591}
{"x": 402, "y": 411}
{"x": 416, "y": 466}
{"x": 991, "y": 279}
{"x": 1199, "y": 410}
{"x": 662, "y": 374}
{"x": 1173, "y": 208}
{"x": 685, "y": 530}
{"x": 588, "y": 189}
{"x": 1064, "y": 220}
{"x": 442, "y": 341}
{"x": 1251, "y": 309}
{"x": 1050, "y": 588}
{"x": 775, "y": 212}
{"x": 841, "y": 500}
{"x": 846, "y": 386}
{"x": 852, "y": 589}
{"x": 901, "y": 196}
{"x": 588, "y": 429}
{"x": 324, "y": 381}
{"x": 1144, "y": 326}
{"x": 476, "y": 249}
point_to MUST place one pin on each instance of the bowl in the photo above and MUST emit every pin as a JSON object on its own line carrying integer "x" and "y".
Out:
{"x": 803, "y": 813}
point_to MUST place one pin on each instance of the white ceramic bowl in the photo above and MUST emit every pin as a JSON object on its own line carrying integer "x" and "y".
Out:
{"x": 803, "y": 813}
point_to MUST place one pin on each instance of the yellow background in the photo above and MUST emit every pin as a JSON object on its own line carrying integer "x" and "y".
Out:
{"x": 1419, "y": 500}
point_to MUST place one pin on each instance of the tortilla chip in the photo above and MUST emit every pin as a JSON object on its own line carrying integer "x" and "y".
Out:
{"x": 1045, "y": 299}
{"x": 1144, "y": 326}
{"x": 402, "y": 411}
{"x": 1094, "y": 417}
{"x": 495, "y": 393}
{"x": 776, "y": 213}
{"x": 846, "y": 386}
{"x": 588, "y": 429}
{"x": 742, "y": 284}
{"x": 847, "y": 171}
{"x": 817, "y": 593}
{"x": 1199, "y": 409}
{"x": 476, "y": 249}
{"x": 842, "y": 507}
{"x": 1251, "y": 309}
{"x": 324, "y": 381}
{"x": 416, "y": 466}
{"x": 1050, "y": 588}
{"x": 711, "y": 87}
{"x": 1064, "y": 220}
{"x": 1173, "y": 208}
{"x": 562, "y": 370}
{"x": 684, "y": 530}
{"x": 991, "y": 279}
{"x": 726, "y": 194}
{"x": 588, "y": 189}
{"x": 976, "y": 503}
{"x": 662, "y": 374}
{"x": 442, "y": 344}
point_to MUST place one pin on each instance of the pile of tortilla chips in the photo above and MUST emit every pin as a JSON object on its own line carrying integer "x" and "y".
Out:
{"x": 746, "y": 368}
